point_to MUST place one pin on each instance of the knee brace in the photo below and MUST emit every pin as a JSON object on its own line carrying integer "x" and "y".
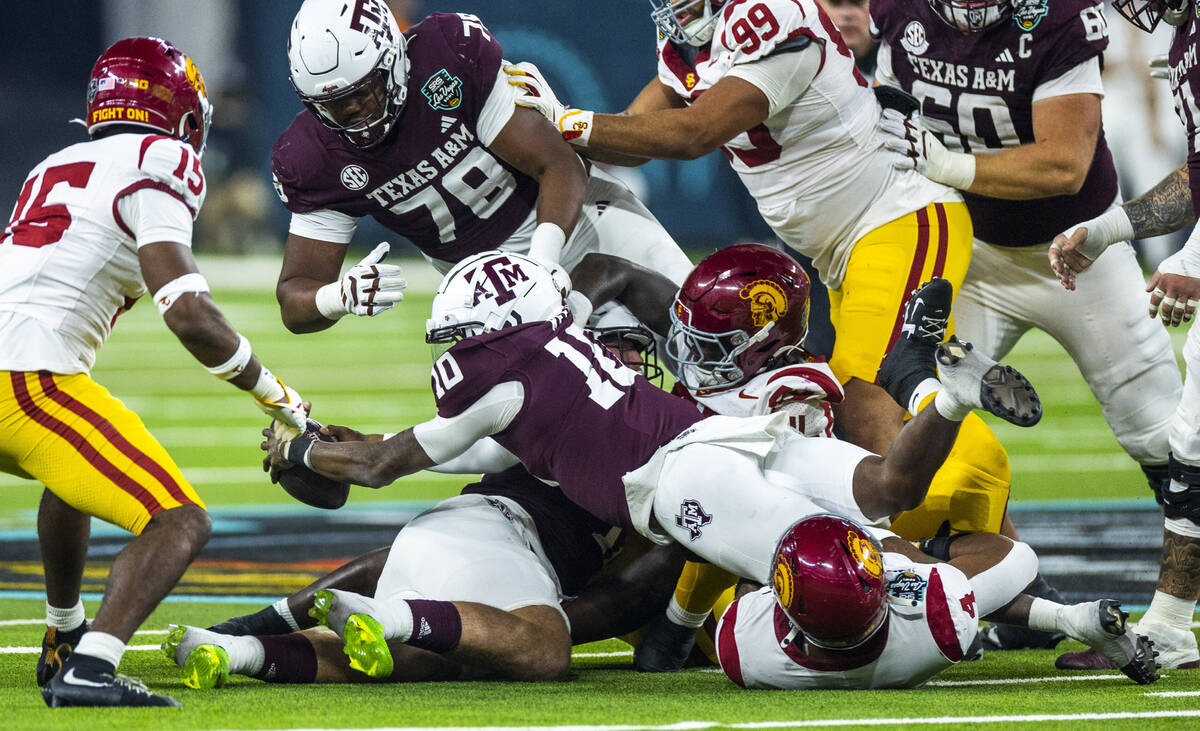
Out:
{"x": 1180, "y": 498}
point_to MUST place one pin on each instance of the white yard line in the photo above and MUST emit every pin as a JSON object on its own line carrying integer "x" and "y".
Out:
{"x": 1006, "y": 681}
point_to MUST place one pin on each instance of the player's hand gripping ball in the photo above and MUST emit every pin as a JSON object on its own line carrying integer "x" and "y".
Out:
{"x": 304, "y": 484}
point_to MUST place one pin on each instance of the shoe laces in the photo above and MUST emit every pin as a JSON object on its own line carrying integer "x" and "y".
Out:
{"x": 135, "y": 684}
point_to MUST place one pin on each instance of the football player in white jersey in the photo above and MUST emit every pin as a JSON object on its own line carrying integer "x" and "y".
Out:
{"x": 96, "y": 226}
{"x": 848, "y": 610}
{"x": 773, "y": 84}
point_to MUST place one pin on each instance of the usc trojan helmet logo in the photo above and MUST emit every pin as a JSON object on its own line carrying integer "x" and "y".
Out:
{"x": 865, "y": 554}
{"x": 783, "y": 582}
{"x": 768, "y": 302}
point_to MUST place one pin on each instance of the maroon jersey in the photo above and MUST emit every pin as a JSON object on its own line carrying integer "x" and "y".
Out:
{"x": 577, "y": 543}
{"x": 432, "y": 181}
{"x": 976, "y": 91}
{"x": 1185, "y": 83}
{"x": 586, "y": 419}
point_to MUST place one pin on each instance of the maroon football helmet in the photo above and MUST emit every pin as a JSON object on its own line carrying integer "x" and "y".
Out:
{"x": 739, "y": 310}
{"x": 828, "y": 578}
{"x": 150, "y": 83}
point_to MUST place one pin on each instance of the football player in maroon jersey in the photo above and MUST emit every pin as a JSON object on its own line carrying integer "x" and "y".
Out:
{"x": 1174, "y": 291}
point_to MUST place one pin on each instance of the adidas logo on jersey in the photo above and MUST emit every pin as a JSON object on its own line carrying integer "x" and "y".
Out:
{"x": 448, "y": 122}
{"x": 1005, "y": 57}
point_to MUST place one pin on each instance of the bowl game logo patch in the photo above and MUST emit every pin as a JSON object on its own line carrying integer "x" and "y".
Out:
{"x": 443, "y": 91}
{"x": 908, "y": 586}
{"x": 1028, "y": 13}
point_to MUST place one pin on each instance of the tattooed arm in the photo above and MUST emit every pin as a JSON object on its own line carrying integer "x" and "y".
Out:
{"x": 1165, "y": 208}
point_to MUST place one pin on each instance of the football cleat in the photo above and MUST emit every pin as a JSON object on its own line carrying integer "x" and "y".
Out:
{"x": 81, "y": 685}
{"x": 1175, "y": 649}
{"x": 348, "y": 614}
{"x": 366, "y": 647}
{"x": 911, "y": 358}
{"x": 1102, "y": 626}
{"x": 198, "y": 652}
{"x": 973, "y": 378}
{"x": 265, "y": 621}
{"x": 57, "y": 645}
{"x": 664, "y": 648}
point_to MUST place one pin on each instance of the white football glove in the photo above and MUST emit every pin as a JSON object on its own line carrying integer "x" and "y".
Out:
{"x": 1175, "y": 287}
{"x": 279, "y": 401}
{"x": 367, "y": 289}
{"x": 575, "y": 125}
{"x": 1160, "y": 67}
{"x": 922, "y": 151}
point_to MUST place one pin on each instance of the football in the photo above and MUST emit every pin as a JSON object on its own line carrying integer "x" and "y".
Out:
{"x": 309, "y": 487}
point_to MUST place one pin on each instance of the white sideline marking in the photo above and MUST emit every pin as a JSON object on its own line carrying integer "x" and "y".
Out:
{"x": 1173, "y": 693}
{"x": 1005, "y": 681}
{"x": 38, "y": 650}
{"x": 620, "y": 653}
{"x": 697, "y": 725}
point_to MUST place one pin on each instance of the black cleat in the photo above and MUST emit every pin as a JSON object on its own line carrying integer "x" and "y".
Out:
{"x": 911, "y": 359}
{"x": 79, "y": 684}
{"x": 664, "y": 648}
{"x": 57, "y": 646}
{"x": 973, "y": 378}
{"x": 265, "y": 621}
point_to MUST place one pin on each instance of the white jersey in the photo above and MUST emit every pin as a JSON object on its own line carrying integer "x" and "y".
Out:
{"x": 805, "y": 391}
{"x": 817, "y": 166}
{"x": 68, "y": 257}
{"x": 933, "y": 622}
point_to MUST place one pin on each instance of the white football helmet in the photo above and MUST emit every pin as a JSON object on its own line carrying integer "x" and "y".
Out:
{"x": 349, "y": 65}
{"x": 690, "y": 22}
{"x": 972, "y": 15}
{"x": 492, "y": 291}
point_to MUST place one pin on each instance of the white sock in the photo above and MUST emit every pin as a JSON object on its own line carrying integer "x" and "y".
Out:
{"x": 949, "y": 407}
{"x": 246, "y": 654}
{"x": 922, "y": 394}
{"x": 101, "y": 645}
{"x": 285, "y": 611}
{"x": 65, "y": 619}
{"x": 396, "y": 617}
{"x": 1045, "y": 615}
{"x": 1170, "y": 611}
{"x": 680, "y": 616}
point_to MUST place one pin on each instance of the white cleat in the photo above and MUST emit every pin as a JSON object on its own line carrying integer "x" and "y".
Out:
{"x": 1101, "y": 625}
{"x": 973, "y": 378}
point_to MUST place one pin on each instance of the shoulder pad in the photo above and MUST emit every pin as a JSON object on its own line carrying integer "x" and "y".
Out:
{"x": 173, "y": 165}
{"x": 750, "y": 31}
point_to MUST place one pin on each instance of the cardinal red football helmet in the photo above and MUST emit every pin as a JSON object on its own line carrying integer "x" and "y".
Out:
{"x": 828, "y": 578}
{"x": 150, "y": 83}
{"x": 738, "y": 310}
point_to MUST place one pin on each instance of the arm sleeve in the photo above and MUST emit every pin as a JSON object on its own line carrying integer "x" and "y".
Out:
{"x": 885, "y": 75}
{"x": 485, "y": 455}
{"x": 324, "y": 225}
{"x": 784, "y": 76}
{"x": 154, "y": 215}
{"x": 444, "y": 438}
{"x": 497, "y": 110}
{"x": 1083, "y": 78}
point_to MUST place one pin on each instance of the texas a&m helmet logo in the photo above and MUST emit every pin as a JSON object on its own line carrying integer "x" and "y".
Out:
{"x": 768, "y": 302}
{"x": 500, "y": 276}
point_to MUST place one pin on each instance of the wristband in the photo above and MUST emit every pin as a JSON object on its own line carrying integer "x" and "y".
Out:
{"x": 955, "y": 169}
{"x": 329, "y": 301}
{"x": 169, "y": 293}
{"x": 546, "y": 244}
{"x": 580, "y": 307}
{"x": 299, "y": 449}
{"x": 237, "y": 362}
{"x": 576, "y": 126}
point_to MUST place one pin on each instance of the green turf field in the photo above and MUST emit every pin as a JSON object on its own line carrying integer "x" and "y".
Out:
{"x": 373, "y": 374}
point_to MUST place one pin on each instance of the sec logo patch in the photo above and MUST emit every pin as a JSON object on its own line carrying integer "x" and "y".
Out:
{"x": 354, "y": 177}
